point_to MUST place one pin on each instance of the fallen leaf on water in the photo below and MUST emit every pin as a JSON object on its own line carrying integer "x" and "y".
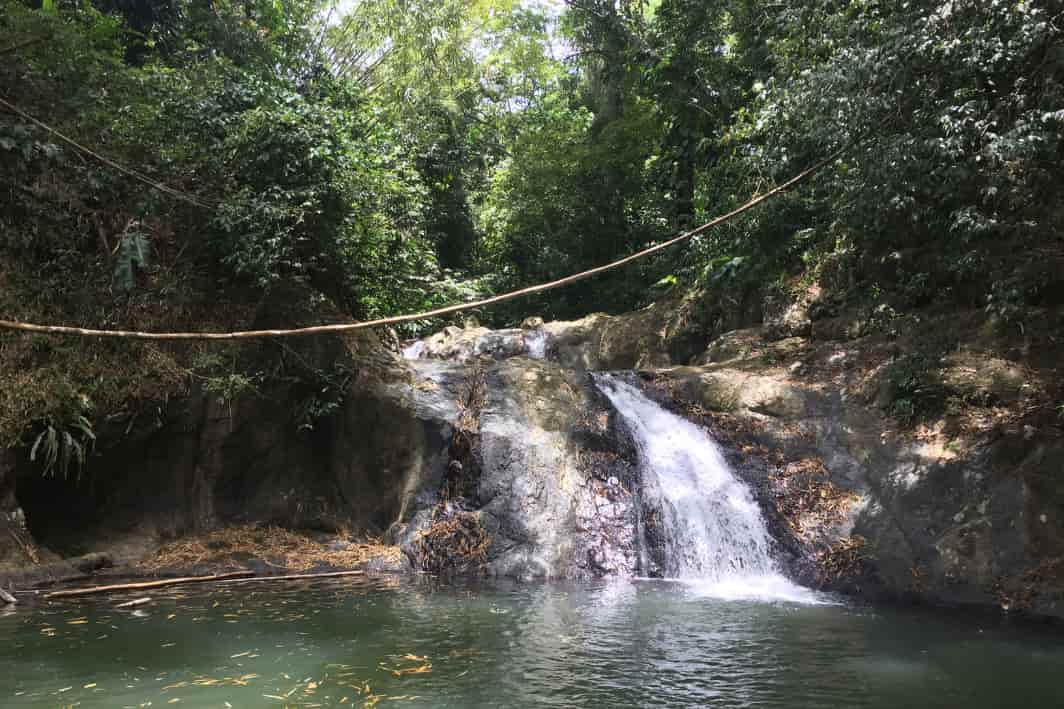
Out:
{"x": 400, "y": 671}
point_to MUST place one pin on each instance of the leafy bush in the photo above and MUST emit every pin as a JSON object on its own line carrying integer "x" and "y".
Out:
{"x": 62, "y": 444}
{"x": 913, "y": 388}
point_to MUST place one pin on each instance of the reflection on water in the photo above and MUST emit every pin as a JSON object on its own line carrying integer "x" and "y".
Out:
{"x": 415, "y": 643}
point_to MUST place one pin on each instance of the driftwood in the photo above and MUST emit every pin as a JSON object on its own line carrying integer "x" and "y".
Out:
{"x": 234, "y": 577}
{"x": 134, "y": 603}
{"x": 299, "y": 577}
{"x": 140, "y": 585}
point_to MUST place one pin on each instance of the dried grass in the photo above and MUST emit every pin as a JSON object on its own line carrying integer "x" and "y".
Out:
{"x": 276, "y": 546}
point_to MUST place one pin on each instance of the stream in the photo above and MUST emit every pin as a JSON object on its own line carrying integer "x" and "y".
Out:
{"x": 409, "y": 642}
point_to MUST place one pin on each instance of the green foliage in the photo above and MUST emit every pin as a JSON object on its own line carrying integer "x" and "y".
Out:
{"x": 386, "y": 156}
{"x": 61, "y": 445}
{"x": 914, "y": 388}
{"x": 326, "y": 392}
{"x": 64, "y": 438}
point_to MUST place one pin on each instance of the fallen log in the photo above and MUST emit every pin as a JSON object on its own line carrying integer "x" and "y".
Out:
{"x": 140, "y": 585}
{"x": 234, "y": 577}
{"x": 298, "y": 577}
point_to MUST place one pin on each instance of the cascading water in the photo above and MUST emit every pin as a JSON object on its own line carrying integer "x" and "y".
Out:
{"x": 714, "y": 532}
{"x": 536, "y": 344}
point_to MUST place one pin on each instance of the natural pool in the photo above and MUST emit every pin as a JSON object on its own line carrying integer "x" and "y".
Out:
{"x": 392, "y": 641}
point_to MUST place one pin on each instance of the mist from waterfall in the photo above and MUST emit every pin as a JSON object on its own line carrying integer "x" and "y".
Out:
{"x": 715, "y": 536}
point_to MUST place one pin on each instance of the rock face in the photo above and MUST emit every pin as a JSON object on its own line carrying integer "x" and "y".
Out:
{"x": 551, "y": 494}
{"x": 867, "y": 506}
{"x": 211, "y": 464}
{"x": 656, "y": 336}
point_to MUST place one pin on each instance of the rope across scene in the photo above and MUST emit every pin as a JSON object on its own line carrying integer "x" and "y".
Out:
{"x": 135, "y": 174}
{"x": 348, "y": 327}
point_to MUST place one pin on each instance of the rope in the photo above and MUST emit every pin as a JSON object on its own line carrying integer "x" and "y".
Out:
{"x": 23, "y": 44}
{"x": 166, "y": 189}
{"x": 349, "y": 327}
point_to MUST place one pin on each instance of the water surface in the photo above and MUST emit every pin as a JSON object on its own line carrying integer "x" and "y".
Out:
{"x": 418, "y": 643}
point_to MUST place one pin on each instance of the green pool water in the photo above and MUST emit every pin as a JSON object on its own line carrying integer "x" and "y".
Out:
{"x": 400, "y": 642}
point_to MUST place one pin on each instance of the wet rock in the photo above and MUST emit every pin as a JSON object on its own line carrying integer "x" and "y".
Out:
{"x": 923, "y": 518}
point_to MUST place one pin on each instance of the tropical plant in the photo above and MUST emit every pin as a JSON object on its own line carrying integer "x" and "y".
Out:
{"x": 63, "y": 444}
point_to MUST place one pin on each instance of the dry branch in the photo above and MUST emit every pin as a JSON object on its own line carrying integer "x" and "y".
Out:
{"x": 234, "y": 577}
{"x": 298, "y": 577}
{"x": 140, "y": 585}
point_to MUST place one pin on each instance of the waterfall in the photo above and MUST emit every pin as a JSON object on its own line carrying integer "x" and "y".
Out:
{"x": 536, "y": 344}
{"x": 415, "y": 350}
{"x": 715, "y": 536}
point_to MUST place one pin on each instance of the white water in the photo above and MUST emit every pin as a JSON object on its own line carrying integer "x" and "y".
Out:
{"x": 414, "y": 350}
{"x": 536, "y": 344}
{"x": 716, "y": 539}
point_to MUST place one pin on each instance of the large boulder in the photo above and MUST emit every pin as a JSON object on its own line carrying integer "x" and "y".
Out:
{"x": 655, "y": 336}
{"x": 553, "y": 483}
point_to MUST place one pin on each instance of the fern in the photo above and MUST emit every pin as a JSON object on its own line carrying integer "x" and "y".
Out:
{"x": 132, "y": 252}
{"x": 57, "y": 447}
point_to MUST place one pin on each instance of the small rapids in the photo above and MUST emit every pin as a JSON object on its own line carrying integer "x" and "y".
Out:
{"x": 715, "y": 537}
{"x": 497, "y": 344}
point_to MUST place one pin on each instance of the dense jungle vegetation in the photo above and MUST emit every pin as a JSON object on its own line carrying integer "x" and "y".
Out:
{"x": 376, "y": 157}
